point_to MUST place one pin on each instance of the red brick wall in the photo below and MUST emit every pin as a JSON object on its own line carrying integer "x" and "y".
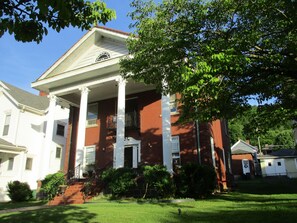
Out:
{"x": 150, "y": 134}
{"x": 237, "y": 163}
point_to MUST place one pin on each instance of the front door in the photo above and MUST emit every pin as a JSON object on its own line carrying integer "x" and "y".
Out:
{"x": 128, "y": 157}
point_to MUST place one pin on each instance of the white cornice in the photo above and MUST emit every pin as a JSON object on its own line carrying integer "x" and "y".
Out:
{"x": 70, "y": 75}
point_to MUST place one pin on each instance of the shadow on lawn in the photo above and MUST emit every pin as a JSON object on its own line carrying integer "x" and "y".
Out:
{"x": 268, "y": 185}
{"x": 246, "y": 214}
{"x": 50, "y": 215}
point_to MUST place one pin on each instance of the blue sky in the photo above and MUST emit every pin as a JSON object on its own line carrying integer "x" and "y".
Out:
{"x": 22, "y": 63}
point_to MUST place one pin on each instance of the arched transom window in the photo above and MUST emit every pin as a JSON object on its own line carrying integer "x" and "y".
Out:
{"x": 103, "y": 56}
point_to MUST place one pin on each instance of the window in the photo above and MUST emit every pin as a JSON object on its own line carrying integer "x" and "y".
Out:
{"x": 103, "y": 56}
{"x": 89, "y": 155}
{"x": 175, "y": 150}
{"x": 92, "y": 114}
{"x": 6, "y": 124}
{"x": 60, "y": 129}
{"x": 269, "y": 164}
{"x": 10, "y": 164}
{"x": 58, "y": 152}
{"x": 173, "y": 103}
{"x": 29, "y": 163}
{"x": 279, "y": 163}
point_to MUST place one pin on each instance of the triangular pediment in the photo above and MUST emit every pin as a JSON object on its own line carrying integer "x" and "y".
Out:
{"x": 241, "y": 147}
{"x": 87, "y": 51}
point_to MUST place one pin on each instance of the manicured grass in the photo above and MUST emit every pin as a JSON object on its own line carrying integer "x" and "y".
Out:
{"x": 238, "y": 206}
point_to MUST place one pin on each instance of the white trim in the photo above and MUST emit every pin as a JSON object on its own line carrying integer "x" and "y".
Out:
{"x": 74, "y": 88}
{"x": 81, "y": 132}
{"x": 12, "y": 149}
{"x": 120, "y": 130}
{"x": 166, "y": 132}
{"x": 76, "y": 75}
{"x": 213, "y": 152}
{"x": 130, "y": 142}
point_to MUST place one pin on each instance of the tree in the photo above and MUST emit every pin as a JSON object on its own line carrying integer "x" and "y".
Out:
{"x": 254, "y": 123}
{"x": 29, "y": 20}
{"x": 218, "y": 54}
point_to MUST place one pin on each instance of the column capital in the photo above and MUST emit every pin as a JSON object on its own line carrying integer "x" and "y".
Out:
{"x": 52, "y": 98}
{"x": 121, "y": 80}
{"x": 84, "y": 89}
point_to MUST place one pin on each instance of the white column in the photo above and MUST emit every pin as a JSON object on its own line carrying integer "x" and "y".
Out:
{"x": 166, "y": 132}
{"x": 81, "y": 133}
{"x": 120, "y": 138}
{"x": 45, "y": 159}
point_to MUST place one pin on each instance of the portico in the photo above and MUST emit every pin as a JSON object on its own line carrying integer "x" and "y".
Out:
{"x": 76, "y": 80}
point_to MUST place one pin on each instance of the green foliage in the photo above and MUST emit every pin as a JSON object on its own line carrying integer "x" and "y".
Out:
{"x": 218, "y": 54}
{"x": 195, "y": 181}
{"x": 158, "y": 182}
{"x": 18, "y": 191}
{"x": 254, "y": 123}
{"x": 119, "y": 182}
{"x": 192, "y": 181}
{"x": 50, "y": 185}
{"x": 28, "y": 20}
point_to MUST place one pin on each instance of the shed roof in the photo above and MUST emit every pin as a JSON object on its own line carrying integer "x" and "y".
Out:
{"x": 241, "y": 147}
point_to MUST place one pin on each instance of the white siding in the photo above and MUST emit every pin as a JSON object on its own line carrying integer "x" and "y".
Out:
{"x": 115, "y": 49}
{"x": 27, "y": 129}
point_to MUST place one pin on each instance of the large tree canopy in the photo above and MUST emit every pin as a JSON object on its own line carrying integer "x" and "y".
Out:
{"x": 28, "y": 20}
{"x": 218, "y": 54}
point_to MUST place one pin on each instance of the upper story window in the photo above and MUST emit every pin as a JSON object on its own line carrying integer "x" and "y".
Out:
{"x": 103, "y": 56}
{"x": 6, "y": 124}
{"x": 60, "y": 130}
{"x": 92, "y": 114}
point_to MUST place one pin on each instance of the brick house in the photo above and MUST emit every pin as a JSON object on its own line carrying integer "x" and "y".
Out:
{"x": 121, "y": 123}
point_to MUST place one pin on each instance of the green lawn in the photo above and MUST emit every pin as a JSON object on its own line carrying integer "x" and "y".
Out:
{"x": 239, "y": 206}
{"x": 11, "y": 205}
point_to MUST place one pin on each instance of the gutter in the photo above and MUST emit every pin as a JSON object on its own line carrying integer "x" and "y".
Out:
{"x": 198, "y": 141}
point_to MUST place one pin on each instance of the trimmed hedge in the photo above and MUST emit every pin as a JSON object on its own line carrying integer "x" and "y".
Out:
{"x": 119, "y": 182}
{"x": 19, "y": 191}
{"x": 158, "y": 182}
{"x": 191, "y": 181}
{"x": 195, "y": 181}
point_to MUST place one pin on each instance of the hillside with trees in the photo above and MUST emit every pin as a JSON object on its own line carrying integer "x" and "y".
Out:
{"x": 255, "y": 126}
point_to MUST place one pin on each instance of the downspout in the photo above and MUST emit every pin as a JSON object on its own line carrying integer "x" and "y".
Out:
{"x": 198, "y": 141}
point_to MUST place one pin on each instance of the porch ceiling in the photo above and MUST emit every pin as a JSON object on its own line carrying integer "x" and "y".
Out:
{"x": 106, "y": 90}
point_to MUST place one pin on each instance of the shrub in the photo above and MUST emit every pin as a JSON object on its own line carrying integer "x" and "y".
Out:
{"x": 18, "y": 191}
{"x": 194, "y": 180}
{"x": 119, "y": 182}
{"x": 50, "y": 185}
{"x": 158, "y": 182}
